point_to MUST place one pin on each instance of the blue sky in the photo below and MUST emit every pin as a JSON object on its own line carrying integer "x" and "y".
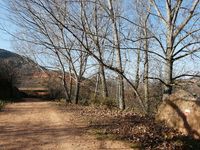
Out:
{"x": 4, "y": 41}
{"x": 5, "y": 38}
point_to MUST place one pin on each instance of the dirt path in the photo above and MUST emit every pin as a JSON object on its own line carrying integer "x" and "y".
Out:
{"x": 42, "y": 125}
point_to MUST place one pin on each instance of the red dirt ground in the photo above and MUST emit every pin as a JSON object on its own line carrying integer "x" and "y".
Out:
{"x": 35, "y": 124}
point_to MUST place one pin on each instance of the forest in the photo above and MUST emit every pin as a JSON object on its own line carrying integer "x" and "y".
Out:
{"x": 132, "y": 56}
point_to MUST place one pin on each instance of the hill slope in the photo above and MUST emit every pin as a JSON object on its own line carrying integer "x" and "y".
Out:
{"x": 20, "y": 71}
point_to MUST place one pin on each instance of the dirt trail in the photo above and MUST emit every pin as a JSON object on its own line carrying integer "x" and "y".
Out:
{"x": 44, "y": 126}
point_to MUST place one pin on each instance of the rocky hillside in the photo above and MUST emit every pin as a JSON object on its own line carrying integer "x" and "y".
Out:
{"x": 13, "y": 63}
{"x": 20, "y": 72}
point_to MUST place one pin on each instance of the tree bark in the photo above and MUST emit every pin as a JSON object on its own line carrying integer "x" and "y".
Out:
{"x": 66, "y": 92}
{"x": 146, "y": 66}
{"x": 146, "y": 74}
{"x": 96, "y": 40}
{"x": 169, "y": 55}
{"x": 77, "y": 91}
{"x": 137, "y": 75}
{"x": 103, "y": 82}
{"x": 168, "y": 78}
{"x": 118, "y": 57}
{"x": 96, "y": 86}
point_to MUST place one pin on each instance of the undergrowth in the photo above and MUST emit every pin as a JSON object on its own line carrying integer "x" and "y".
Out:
{"x": 2, "y": 104}
{"x": 101, "y": 101}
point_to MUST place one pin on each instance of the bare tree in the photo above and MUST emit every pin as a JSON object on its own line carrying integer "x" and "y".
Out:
{"x": 144, "y": 16}
{"x": 118, "y": 53}
{"x": 94, "y": 35}
{"x": 99, "y": 31}
{"x": 180, "y": 20}
{"x": 53, "y": 37}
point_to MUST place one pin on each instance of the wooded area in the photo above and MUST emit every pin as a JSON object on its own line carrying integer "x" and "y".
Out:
{"x": 125, "y": 54}
{"x": 137, "y": 43}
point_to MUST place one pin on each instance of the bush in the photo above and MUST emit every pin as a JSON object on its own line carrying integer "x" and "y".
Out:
{"x": 100, "y": 101}
{"x": 55, "y": 88}
{"x": 181, "y": 111}
{"x": 2, "y": 104}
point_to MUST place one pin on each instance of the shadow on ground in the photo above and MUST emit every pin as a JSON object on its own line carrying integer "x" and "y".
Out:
{"x": 145, "y": 132}
{"x": 28, "y": 136}
{"x": 45, "y": 125}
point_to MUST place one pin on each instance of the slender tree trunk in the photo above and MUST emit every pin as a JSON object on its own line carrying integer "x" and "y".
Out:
{"x": 121, "y": 93}
{"x": 66, "y": 92}
{"x": 118, "y": 57}
{"x": 96, "y": 86}
{"x": 65, "y": 87}
{"x": 137, "y": 75}
{"x": 146, "y": 81}
{"x": 96, "y": 40}
{"x": 70, "y": 83}
{"x": 104, "y": 89}
{"x": 77, "y": 91}
{"x": 103, "y": 82}
{"x": 146, "y": 67}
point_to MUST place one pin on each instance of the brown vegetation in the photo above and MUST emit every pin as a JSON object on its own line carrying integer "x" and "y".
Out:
{"x": 181, "y": 111}
{"x": 119, "y": 54}
{"x": 142, "y": 131}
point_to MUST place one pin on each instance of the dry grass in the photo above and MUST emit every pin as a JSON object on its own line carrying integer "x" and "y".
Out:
{"x": 142, "y": 131}
{"x": 182, "y": 112}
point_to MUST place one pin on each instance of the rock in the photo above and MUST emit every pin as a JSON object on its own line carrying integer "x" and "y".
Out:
{"x": 181, "y": 111}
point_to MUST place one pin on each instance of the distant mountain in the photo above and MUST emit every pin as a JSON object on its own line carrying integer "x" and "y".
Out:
{"x": 18, "y": 63}
{"x": 6, "y": 54}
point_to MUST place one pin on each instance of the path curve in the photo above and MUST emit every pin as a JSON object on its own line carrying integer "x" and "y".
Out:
{"x": 44, "y": 126}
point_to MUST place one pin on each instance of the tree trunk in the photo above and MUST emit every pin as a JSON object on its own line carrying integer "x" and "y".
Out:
{"x": 66, "y": 92}
{"x": 168, "y": 78}
{"x": 70, "y": 84}
{"x": 96, "y": 86}
{"x": 121, "y": 92}
{"x": 146, "y": 82}
{"x": 118, "y": 57}
{"x": 65, "y": 87}
{"x": 146, "y": 68}
{"x": 77, "y": 91}
{"x": 104, "y": 89}
{"x": 169, "y": 60}
{"x": 103, "y": 82}
{"x": 137, "y": 75}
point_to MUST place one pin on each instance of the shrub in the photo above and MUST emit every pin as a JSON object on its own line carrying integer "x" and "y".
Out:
{"x": 101, "y": 101}
{"x": 2, "y": 104}
{"x": 55, "y": 88}
{"x": 181, "y": 111}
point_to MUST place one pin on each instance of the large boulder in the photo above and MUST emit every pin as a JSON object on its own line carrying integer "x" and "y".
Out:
{"x": 181, "y": 110}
